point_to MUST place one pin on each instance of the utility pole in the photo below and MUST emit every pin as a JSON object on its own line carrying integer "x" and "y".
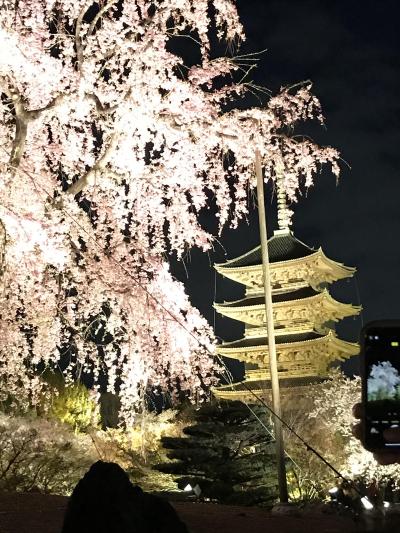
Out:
{"x": 276, "y": 403}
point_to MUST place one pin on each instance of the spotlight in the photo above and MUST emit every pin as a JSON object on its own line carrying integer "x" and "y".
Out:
{"x": 188, "y": 488}
{"x": 386, "y": 505}
{"x": 333, "y": 490}
{"x": 197, "y": 490}
{"x": 366, "y": 503}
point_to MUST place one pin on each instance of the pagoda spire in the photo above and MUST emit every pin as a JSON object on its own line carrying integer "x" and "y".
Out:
{"x": 284, "y": 213}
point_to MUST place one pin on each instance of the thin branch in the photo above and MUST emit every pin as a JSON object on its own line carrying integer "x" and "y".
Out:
{"x": 171, "y": 34}
{"x": 84, "y": 180}
{"x": 260, "y": 88}
{"x": 22, "y": 119}
{"x": 100, "y": 107}
{"x": 303, "y": 83}
{"x": 105, "y": 8}
{"x": 78, "y": 40}
{"x": 246, "y": 73}
{"x": 251, "y": 55}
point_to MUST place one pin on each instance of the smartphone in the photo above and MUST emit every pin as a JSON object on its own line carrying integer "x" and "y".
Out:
{"x": 380, "y": 371}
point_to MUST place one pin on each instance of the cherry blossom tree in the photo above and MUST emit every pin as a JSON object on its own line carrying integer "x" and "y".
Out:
{"x": 333, "y": 414}
{"x": 110, "y": 148}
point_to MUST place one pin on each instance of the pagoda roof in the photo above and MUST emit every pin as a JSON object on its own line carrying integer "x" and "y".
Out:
{"x": 304, "y": 292}
{"x": 306, "y": 307}
{"x": 313, "y": 346}
{"x": 255, "y": 342}
{"x": 291, "y": 262}
{"x": 283, "y": 382}
{"x": 247, "y": 387}
{"x": 281, "y": 247}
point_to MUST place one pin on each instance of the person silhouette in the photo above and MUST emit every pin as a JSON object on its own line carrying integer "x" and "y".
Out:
{"x": 105, "y": 501}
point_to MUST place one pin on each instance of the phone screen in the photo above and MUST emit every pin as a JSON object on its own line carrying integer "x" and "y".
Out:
{"x": 382, "y": 384}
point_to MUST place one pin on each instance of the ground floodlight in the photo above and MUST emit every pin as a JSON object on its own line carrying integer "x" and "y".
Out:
{"x": 366, "y": 503}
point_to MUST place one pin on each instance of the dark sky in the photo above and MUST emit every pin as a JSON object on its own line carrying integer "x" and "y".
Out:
{"x": 349, "y": 49}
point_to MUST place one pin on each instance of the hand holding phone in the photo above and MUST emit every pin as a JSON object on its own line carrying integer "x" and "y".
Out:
{"x": 380, "y": 371}
{"x": 383, "y": 456}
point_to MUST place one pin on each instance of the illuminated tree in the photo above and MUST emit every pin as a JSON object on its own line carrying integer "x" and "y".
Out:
{"x": 75, "y": 406}
{"x": 333, "y": 419}
{"x": 42, "y": 455}
{"x": 110, "y": 149}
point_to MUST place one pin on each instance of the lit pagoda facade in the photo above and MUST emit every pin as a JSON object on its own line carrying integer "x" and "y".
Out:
{"x": 304, "y": 315}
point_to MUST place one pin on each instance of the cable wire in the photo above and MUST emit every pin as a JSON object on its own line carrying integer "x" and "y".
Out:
{"x": 303, "y": 441}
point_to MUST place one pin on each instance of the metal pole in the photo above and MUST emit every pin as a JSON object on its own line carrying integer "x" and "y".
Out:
{"x": 280, "y": 451}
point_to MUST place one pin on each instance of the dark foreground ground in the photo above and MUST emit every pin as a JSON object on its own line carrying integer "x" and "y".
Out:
{"x": 36, "y": 513}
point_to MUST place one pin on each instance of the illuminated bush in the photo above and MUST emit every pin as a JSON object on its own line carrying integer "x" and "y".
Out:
{"x": 76, "y": 406}
{"x": 227, "y": 453}
{"x": 332, "y": 420}
{"x": 41, "y": 455}
{"x": 138, "y": 447}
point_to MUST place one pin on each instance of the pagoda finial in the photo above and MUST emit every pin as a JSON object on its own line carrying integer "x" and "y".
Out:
{"x": 284, "y": 213}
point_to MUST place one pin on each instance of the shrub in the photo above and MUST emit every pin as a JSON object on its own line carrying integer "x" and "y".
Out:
{"x": 76, "y": 406}
{"x": 138, "y": 448}
{"x": 41, "y": 455}
{"x": 327, "y": 426}
{"x": 227, "y": 453}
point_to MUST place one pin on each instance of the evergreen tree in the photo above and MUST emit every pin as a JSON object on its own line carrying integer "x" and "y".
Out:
{"x": 227, "y": 452}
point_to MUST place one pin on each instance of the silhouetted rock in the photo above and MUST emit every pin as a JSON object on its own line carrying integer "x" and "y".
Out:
{"x": 105, "y": 501}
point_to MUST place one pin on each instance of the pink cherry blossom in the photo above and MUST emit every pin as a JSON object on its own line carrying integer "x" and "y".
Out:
{"x": 110, "y": 149}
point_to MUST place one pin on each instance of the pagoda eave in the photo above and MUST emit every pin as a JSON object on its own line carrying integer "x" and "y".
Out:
{"x": 331, "y": 347}
{"x": 321, "y": 307}
{"x": 316, "y": 268}
{"x": 252, "y": 391}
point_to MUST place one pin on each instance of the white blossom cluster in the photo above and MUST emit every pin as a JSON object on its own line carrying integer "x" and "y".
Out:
{"x": 333, "y": 409}
{"x": 110, "y": 148}
{"x": 383, "y": 381}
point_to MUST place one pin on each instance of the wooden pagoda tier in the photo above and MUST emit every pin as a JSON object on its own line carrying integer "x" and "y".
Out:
{"x": 250, "y": 390}
{"x": 292, "y": 264}
{"x": 294, "y": 352}
{"x": 304, "y": 309}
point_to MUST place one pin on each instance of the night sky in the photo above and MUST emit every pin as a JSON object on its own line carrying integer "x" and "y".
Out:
{"x": 349, "y": 49}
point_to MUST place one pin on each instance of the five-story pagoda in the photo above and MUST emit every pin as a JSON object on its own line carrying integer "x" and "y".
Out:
{"x": 304, "y": 315}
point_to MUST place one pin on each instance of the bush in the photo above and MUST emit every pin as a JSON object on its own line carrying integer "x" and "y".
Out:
{"x": 76, "y": 406}
{"x": 41, "y": 455}
{"x": 46, "y": 455}
{"x": 138, "y": 448}
{"x": 327, "y": 427}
